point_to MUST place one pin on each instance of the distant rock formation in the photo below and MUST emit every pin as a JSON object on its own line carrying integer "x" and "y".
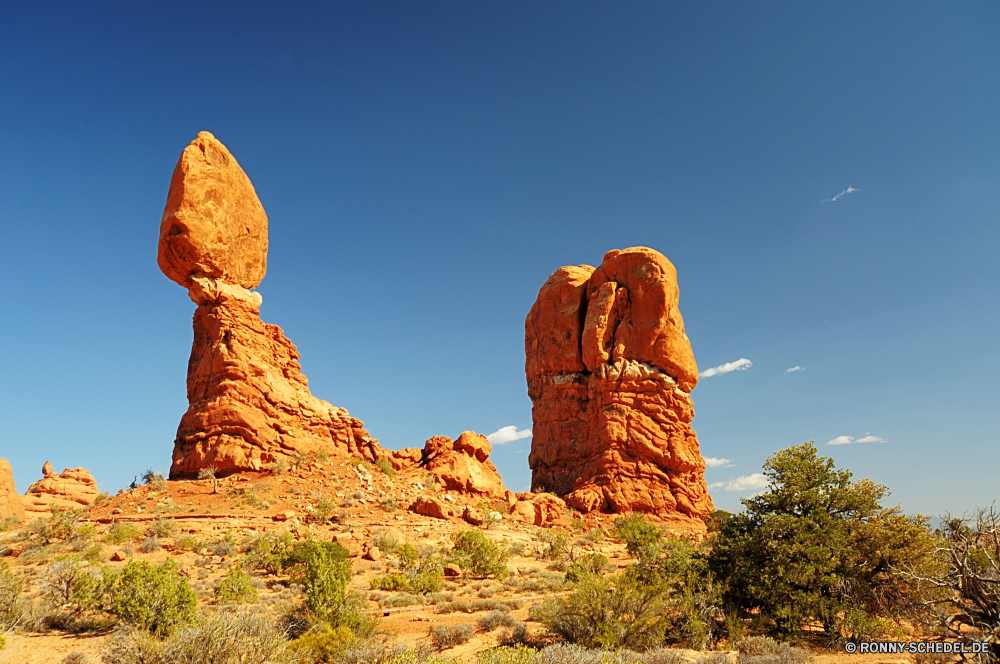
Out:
{"x": 10, "y": 501}
{"x": 610, "y": 371}
{"x": 71, "y": 489}
{"x": 461, "y": 465}
{"x": 249, "y": 404}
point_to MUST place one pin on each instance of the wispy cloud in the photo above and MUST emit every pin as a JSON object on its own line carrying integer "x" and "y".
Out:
{"x": 741, "y": 364}
{"x": 849, "y": 190}
{"x": 712, "y": 462}
{"x": 747, "y": 482}
{"x": 795, "y": 368}
{"x": 847, "y": 440}
{"x": 508, "y": 434}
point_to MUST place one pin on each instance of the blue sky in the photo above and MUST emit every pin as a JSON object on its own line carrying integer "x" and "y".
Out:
{"x": 426, "y": 166}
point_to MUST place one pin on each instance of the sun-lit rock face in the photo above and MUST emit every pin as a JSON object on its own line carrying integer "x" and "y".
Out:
{"x": 609, "y": 372}
{"x": 214, "y": 225}
{"x": 249, "y": 403}
{"x": 10, "y": 501}
{"x": 71, "y": 489}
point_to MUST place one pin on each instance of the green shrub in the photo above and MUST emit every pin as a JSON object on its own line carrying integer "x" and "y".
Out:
{"x": 162, "y": 527}
{"x": 390, "y": 582}
{"x": 636, "y": 532}
{"x": 268, "y": 552}
{"x": 8, "y": 522}
{"x": 237, "y": 586}
{"x": 385, "y": 540}
{"x": 323, "y": 569}
{"x": 495, "y": 619}
{"x": 223, "y": 547}
{"x": 153, "y": 598}
{"x": 594, "y": 535}
{"x": 324, "y": 508}
{"x": 765, "y": 650}
{"x": 300, "y": 460}
{"x": 389, "y": 505}
{"x": 150, "y": 544}
{"x": 587, "y": 564}
{"x": 510, "y": 655}
{"x": 386, "y": 467}
{"x": 154, "y": 479}
{"x": 449, "y": 636}
{"x": 279, "y": 467}
{"x": 556, "y": 545}
{"x": 611, "y": 613}
{"x": 478, "y": 556}
{"x": 324, "y": 644}
{"x": 399, "y": 599}
{"x": 12, "y": 605}
{"x": 122, "y": 532}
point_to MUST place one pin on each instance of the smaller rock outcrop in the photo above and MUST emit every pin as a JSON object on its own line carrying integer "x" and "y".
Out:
{"x": 10, "y": 501}
{"x": 71, "y": 489}
{"x": 461, "y": 465}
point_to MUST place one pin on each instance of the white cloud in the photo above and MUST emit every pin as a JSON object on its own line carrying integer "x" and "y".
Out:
{"x": 847, "y": 440}
{"x": 715, "y": 485}
{"x": 747, "y": 482}
{"x": 795, "y": 368}
{"x": 507, "y": 434}
{"x": 741, "y": 364}
{"x": 849, "y": 190}
{"x": 712, "y": 462}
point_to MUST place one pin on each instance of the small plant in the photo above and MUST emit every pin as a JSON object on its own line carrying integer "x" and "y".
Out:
{"x": 587, "y": 564}
{"x": 153, "y": 598}
{"x": 556, "y": 545}
{"x": 122, "y": 532}
{"x": 478, "y": 556}
{"x": 636, "y": 532}
{"x": 347, "y": 502}
{"x": 389, "y": 504}
{"x": 322, "y": 456}
{"x": 594, "y": 535}
{"x": 236, "y": 587}
{"x": 76, "y": 657}
{"x": 386, "y": 467}
{"x": 209, "y": 474}
{"x": 385, "y": 540}
{"x": 150, "y": 544}
{"x": 495, "y": 619}
{"x": 8, "y": 522}
{"x": 449, "y": 636}
{"x": 223, "y": 547}
{"x": 155, "y": 480}
{"x": 324, "y": 508}
{"x": 430, "y": 482}
{"x": 162, "y": 527}
{"x": 279, "y": 467}
{"x": 300, "y": 460}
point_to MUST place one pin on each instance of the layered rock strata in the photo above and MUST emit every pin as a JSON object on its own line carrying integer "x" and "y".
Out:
{"x": 74, "y": 488}
{"x": 610, "y": 371}
{"x": 249, "y": 403}
{"x": 10, "y": 501}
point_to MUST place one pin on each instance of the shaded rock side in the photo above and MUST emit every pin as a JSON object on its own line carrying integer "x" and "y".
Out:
{"x": 10, "y": 501}
{"x": 609, "y": 372}
{"x": 214, "y": 225}
{"x": 73, "y": 488}
{"x": 461, "y": 465}
{"x": 249, "y": 403}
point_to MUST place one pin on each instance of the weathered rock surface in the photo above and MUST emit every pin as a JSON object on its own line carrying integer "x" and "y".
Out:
{"x": 249, "y": 404}
{"x": 71, "y": 489}
{"x": 214, "y": 225}
{"x": 10, "y": 501}
{"x": 459, "y": 465}
{"x": 609, "y": 372}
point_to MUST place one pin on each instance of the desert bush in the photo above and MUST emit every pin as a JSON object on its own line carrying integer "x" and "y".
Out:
{"x": 122, "y": 532}
{"x": 426, "y": 577}
{"x": 399, "y": 599}
{"x": 237, "y": 586}
{"x": 323, "y": 569}
{"x": 129, "y": 645}
{"x": 209, "y": 474}
{"x": 324, "y": 508}
{"x": 153, "y": 598}
{"x": 389, "y": 505}
{"x": 612, "y": 613}
{"x": 430, "y": 482}
{"x": 154, "y": 479}
{"x": 495, "y": 619}
{"x": 818, "y": 546}
{"x": 390, "y": 582}
{"x": 477, "y": 605}
{"x": 300, "y": 460}
{"x": 162, "y": 527}
{"x": 8, "y": 522}
{"x": 479, "y": 557}
{"x": 555, "y": 545}
{"x": 636, "y": 533}
{"x": 386, "y": 467}
{"x": 279, "y": 467}
{"x": 594, "y": 535}
{"x": 12, "y": 604}
{"x": 150, "y": 544}
{"x": 765, "y": 650}
{"x": 77, "y": 594}
{"x": 323, "y": 644}
{"x": 385, "y": 540}
{"x": 268, "y": 552}
{"x": 223, "y": 547}
{"x": 588, "y": 563}
{"x": 76, "y": 657}
{"x": 449, "y": 636}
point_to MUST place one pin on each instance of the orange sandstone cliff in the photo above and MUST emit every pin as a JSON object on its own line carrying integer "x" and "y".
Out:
{"x": 610, "y": 371}
{"x": 10, "y": 501}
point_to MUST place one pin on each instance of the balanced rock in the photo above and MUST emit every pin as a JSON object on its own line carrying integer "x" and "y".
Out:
{"x": 10, "y": 501}
{"x": 73, "y": 488}
{"x": 460, "y": 465}
{"x": 610, "y": 371}
{"x": 249, "y": 404}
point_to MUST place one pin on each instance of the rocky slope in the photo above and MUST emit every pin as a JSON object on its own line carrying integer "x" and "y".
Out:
{"x": 610, "y": 371}
{"x": 74, "y": 488}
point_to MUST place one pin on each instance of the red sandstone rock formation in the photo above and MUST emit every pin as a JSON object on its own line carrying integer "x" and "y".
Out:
{"x": 71, "y": 489}
{"x": 10, "y": 501}
{"x": 610, "y": 371}
{"x": 459, "y": 465}
{"x": 249, "y": 404}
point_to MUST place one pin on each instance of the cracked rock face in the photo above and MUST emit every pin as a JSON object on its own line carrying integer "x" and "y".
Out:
{"x": 10, "y": 501}
{"x": 249, "y": 404}
{"x": 610, "y": 371}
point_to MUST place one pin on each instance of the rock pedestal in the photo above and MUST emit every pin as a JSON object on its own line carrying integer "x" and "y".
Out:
{"x": 10, "y": 501}
{"x": 610, "y": 371}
